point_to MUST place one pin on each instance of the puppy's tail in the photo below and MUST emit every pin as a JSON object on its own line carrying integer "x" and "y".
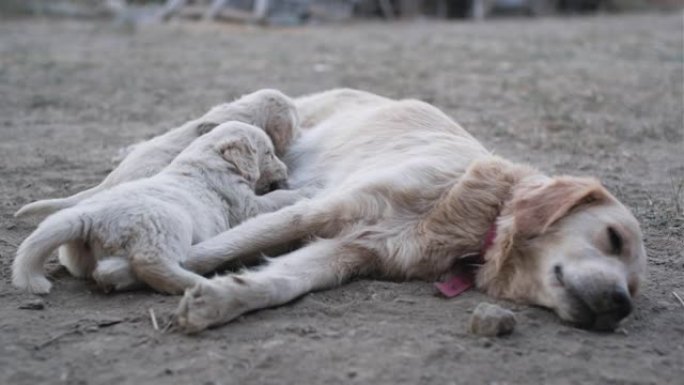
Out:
{"x": 46, "y": 207}
{"x": 60, "y": 228}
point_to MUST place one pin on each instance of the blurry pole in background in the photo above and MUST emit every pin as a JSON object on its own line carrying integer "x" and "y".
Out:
{"x": 261, "y": 9}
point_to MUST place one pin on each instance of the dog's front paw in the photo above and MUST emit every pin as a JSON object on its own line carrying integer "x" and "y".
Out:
{"x": 205, "y": 305}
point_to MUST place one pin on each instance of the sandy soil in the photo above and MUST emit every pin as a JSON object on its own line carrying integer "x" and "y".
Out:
{"x": 599, "y": 96}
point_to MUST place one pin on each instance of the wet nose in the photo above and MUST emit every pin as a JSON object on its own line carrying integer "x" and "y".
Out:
{"x": 622, "y": 303}
{"x": 617, "y": 306}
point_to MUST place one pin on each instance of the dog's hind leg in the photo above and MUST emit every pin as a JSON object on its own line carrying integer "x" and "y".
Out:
{"x": 115, "y": 274}
{"x": 162, "y": 272}
{"x": 320, "y": 265}
{"x": 78, "y": 259}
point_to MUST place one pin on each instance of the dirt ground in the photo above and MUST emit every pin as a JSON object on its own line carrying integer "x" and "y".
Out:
{"x": 589, "y": 96}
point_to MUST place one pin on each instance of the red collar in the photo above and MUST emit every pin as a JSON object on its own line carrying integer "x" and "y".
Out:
{"x": 465, "y": 279}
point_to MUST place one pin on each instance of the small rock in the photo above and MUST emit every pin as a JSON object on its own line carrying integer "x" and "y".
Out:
{"x": 492, "y": 320}
{"x": 34, "y": 304}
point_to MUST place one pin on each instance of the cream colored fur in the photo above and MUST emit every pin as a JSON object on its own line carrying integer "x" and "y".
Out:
{"x": 141, "y": 231}
{"x": 404, "y": 193}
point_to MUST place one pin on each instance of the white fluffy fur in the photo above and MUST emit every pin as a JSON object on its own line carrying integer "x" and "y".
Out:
{"x": 142, "y": 230}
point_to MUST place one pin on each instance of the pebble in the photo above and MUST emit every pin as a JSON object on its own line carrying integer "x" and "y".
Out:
{"x": 34, "y": 304}
{"x": 492, "y": 320}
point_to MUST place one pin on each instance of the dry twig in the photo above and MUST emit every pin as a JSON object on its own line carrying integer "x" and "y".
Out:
{"x": 155, "y": 325}
{"x": 678, "y": 298}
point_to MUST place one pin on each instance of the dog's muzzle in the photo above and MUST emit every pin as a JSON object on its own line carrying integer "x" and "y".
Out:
{"x": 596, "y": 308}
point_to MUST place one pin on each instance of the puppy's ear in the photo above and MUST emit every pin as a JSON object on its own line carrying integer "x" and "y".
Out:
{"x": 282, "y": 131}
{"x": 241, "y": 153}
{"x": 536, "y": 208}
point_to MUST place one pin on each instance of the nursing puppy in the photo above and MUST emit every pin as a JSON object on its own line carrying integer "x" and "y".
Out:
{"x": 406, "y": 193}
{"x": 142, "y": 230}
{"x": 268, "y": 109}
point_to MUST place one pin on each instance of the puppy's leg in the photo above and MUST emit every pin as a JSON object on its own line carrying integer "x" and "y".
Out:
{"x": 56, "y": 230}
{"x": 162, "y": 272}
{"x": 115, "y": 274}
{"x": 77, "y": 258}
{"x": 320, "y": 265}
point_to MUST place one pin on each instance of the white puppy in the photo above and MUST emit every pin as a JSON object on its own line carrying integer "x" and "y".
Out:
{"x": 153, "y": 222}
{"x": 268, "y": 109}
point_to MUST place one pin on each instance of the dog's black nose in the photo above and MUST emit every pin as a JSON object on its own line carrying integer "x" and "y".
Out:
{"x": 622, "y": 303}
{"x": 617, "y": 306}
{"x": 600, "y": 309}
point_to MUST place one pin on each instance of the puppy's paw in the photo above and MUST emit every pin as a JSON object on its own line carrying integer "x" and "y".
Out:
{"x": 34, "y": 284}
{"x": 115, "y": 274}
{"x": 205, "y": 305}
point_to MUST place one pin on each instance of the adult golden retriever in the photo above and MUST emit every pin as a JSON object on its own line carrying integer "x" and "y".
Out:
{"x": 406, "y": 193}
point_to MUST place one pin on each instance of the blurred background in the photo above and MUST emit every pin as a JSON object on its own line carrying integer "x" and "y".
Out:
{"x": 295, "y": 12}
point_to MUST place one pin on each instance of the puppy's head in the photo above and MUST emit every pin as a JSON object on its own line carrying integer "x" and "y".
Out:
{"x": 269, "y": 109}
{"x": 249, "y": 152}
{"x": 567, "y": 244}
{"x": 278, "y": 117}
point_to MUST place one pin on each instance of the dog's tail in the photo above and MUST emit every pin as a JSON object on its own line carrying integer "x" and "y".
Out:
{"x": 48, "y": 206}
{"x": 57, "y": 229}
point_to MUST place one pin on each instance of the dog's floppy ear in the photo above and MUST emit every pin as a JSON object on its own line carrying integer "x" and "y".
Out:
{"x": 281, "y": 130}
{"x": 241, "y": 153}
{"x": 536, "y": 208}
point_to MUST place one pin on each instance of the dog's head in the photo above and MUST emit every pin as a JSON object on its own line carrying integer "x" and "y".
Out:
{"x": 567, "y": 244}
{"x": 269, "y": 109}
{"x": 247, "y": 150}
{"x": 278, "y": 116}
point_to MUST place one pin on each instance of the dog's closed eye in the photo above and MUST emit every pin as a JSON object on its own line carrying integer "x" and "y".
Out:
{"x": 616, "y": 243}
